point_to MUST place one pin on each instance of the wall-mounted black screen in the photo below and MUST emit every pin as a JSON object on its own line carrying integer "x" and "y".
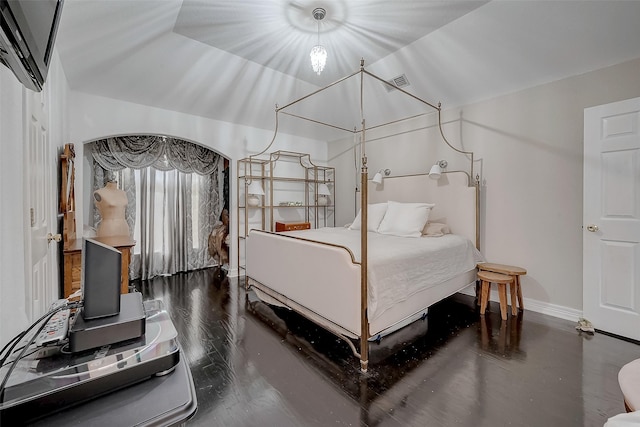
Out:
{"x": 29, "y": 30}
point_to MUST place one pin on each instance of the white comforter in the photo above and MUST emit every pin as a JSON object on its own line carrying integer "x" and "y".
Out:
{"x": 398, "y": 267}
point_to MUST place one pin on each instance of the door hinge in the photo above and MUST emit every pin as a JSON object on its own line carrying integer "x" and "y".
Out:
{"x": 32, "y": 212}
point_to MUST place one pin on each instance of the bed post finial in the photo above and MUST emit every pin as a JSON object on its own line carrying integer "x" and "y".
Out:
{"x": 361, "y": 62}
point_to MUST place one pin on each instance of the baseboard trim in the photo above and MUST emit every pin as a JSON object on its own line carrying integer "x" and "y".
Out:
{"x": 554, "y": 310}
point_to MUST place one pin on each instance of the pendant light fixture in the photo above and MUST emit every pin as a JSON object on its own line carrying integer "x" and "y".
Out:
{"x": 318, "y": 52}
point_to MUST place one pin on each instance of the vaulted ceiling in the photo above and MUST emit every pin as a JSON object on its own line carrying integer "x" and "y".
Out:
{"x": 234, "y": 60}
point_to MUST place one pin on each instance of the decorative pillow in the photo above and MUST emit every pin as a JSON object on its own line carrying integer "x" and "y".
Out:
{"x": 405, "y": 219}
{"x": 375, "y": 213}
{"x": 435, "y": 229}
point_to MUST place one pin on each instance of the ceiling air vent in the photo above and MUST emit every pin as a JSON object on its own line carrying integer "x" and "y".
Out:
{"x": 399, "y": 81}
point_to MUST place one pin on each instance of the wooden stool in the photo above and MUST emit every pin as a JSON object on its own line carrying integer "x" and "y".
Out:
{"x": 502, "y": 280}
{"x": 507, "y": 270}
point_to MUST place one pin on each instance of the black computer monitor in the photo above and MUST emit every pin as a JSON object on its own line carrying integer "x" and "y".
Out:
{"x": 101, "y": 279}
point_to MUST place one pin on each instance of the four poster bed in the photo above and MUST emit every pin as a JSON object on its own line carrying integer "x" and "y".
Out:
{"x": 363, "y": 282}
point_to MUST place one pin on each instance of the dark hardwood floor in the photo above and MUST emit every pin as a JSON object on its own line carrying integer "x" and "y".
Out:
{"x": 254, "y": 365}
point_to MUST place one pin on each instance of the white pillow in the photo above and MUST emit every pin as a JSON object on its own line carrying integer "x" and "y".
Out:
{"x": 405, "y": 219}
{"x": 375, "y": 213}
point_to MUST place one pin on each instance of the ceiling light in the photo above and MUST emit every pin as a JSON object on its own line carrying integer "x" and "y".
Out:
{"x": 318, "y": 52}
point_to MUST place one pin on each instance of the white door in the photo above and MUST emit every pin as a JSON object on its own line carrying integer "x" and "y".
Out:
{"x": 38, "y": 178}
{"x": 611, "y": 237}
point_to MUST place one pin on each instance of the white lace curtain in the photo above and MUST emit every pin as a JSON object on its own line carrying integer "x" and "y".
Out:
{"x": 175, "y": 192}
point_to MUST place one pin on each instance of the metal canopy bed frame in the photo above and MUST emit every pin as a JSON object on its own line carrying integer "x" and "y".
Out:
{"x": 260, "y": 242}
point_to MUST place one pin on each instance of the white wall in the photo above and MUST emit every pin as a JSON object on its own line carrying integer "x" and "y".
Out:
{"x": 94, "y": 117}
{"x": 532, "y": 146}
{"x": 528, "y": 148}
{"x": 12, "y": 289}
{"x": 14, "y": 209}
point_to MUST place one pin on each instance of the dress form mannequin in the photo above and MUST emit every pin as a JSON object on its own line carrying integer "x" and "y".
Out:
{"x": 111, "y": 203}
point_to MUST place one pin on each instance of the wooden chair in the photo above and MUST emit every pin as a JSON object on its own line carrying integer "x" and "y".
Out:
{"x": 502, "y": 280}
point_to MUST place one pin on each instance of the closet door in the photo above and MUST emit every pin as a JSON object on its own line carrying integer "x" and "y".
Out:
{"x": 611, "y": 237}
{"x": 39, "y": 179}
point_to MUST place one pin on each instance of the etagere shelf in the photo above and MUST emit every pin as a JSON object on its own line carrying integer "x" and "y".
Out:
{"x": 290, "y": 189}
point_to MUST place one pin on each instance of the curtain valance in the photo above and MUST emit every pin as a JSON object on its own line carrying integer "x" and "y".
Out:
{"x": 163, "y": 153}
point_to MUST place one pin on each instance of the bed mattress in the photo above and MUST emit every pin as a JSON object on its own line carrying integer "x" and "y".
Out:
{"x": 400, "y": 267}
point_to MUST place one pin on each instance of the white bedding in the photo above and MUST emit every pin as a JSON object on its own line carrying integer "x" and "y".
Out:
{"x": 398, "y": 267}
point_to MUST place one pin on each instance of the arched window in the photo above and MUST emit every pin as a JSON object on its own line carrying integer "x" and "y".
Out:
{"x": 175, "y": 192}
